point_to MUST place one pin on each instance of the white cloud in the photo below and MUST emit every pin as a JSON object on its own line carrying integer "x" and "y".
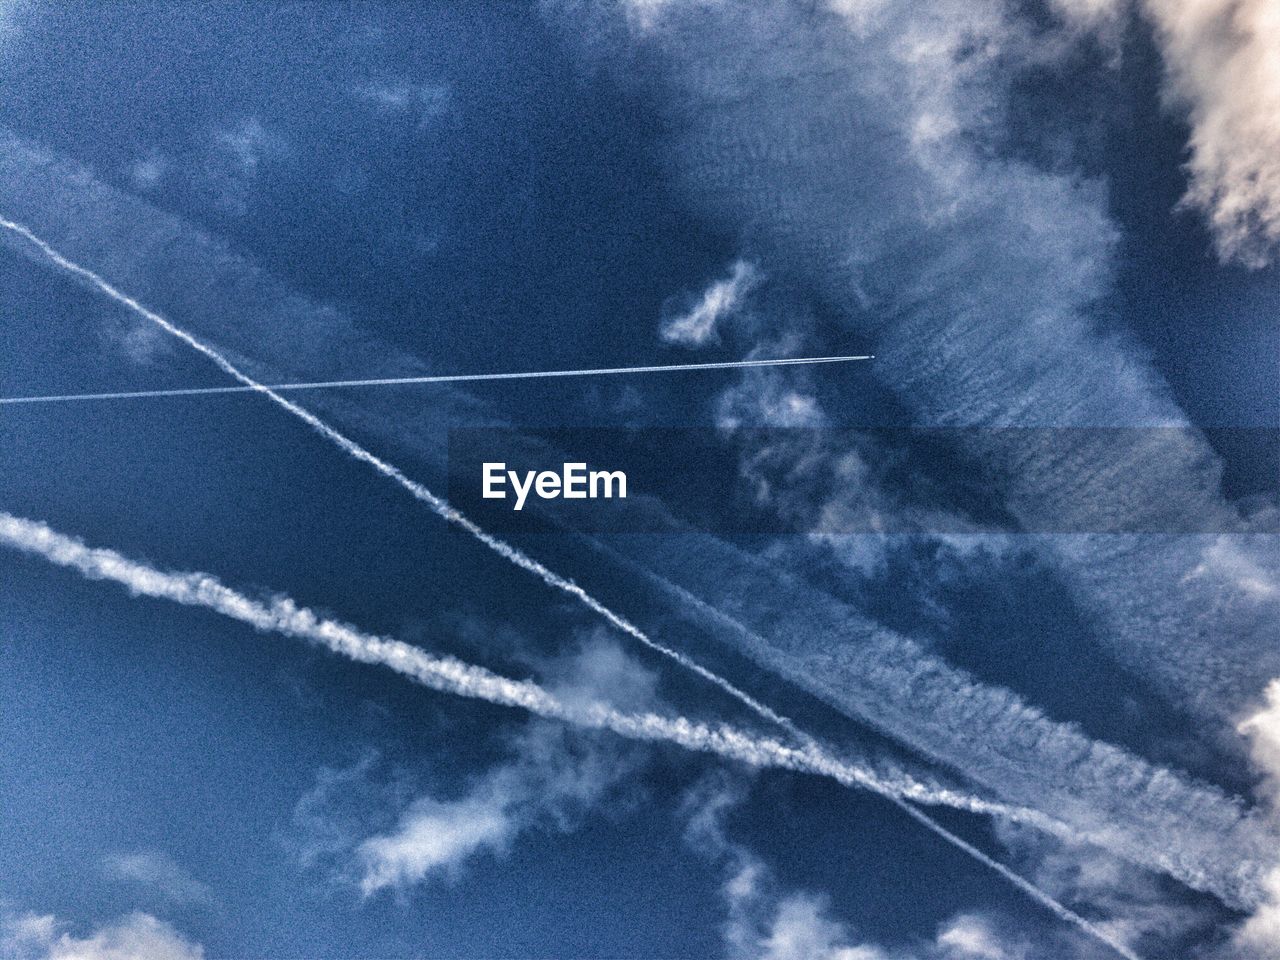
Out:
{"x": 801, "y": 930}
{"x": 1222, "y": 68}
{"x": 137, "y": 936}
{"x": 1223, "y": 63}
{"x": 971, "y": 937}
{"x": 158, "y": 872}
{"x": 1263, "y": 731}
{"x": 694, "y": 324}
{"x": 434, "y": 836}
{"x": 1259, "y": 936}
{"x": 553, "y": 777}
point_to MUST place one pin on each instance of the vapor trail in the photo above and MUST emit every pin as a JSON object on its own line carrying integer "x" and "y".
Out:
{"x": 450, "y": 675}
{"x": 439, "y": 505}
{"x": 823, "y": 763}
{"x": 449, "y": 378}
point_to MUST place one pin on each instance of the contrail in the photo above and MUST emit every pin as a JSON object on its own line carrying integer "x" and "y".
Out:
{"x": 450, "y": 514}
{"x": 450, "y": 378}
{"x": 439, "y": 505}
{"x": 450, "y": 675}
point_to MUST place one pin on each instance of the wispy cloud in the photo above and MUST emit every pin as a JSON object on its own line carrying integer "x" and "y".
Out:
{"x": 156, "y": 872}
{"x": 236, "y": 157}
{"x": 766, "y": 922}
{"x": 554, "y": 776}
{"x": 693, "y": 321}
{"x": 868, "y": 157}
{"x": 421, "y": 102}
{"x": 148, "y": 171}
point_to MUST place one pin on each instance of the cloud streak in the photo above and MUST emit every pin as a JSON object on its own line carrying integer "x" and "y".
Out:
{"x": 449, "y": 675}
{"x": 866, "y": 158}
{"x": 419, "y": 492}
{"x": 987, "y": 733}
{"x": 452, "y": 676}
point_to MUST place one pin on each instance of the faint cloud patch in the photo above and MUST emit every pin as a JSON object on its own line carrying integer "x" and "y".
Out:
{"x": 1235, "y": 569}
{"x": 147, "y": 172}
{"x": 1136, "y": 907}
{"x": 141, "y": 342}
{"x": 11, "y": 12}
{"x": 158, "y": 873}
{"x": 765, "y": 398}
{"x": 238, "y": 154}
{"x": 421, "y": 102}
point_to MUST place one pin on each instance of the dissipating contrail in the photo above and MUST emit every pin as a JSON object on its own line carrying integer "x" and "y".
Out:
{"x": 445, "y": 378}
{"x": 438, "y": 505}
{"x": 450, "y": 514}
{"x": 450, "y": 675}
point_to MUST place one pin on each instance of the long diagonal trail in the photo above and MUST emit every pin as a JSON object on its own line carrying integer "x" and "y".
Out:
{"x": 450, "y": 675}
{"x": 446, "y": 378}
{"x": 865, "y": 778}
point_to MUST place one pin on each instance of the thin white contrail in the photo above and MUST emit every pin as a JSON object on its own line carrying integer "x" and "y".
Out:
{"x": 450, "y": 675}
{"x": 448, "y": 378}
{"x": 439, "y": 505}
{"x": 447, "y": 512}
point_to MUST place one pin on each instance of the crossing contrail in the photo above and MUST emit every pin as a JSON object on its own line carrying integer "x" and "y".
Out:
{"x": 449, "y": 513}
{"x": 438, "y": 505}
{"x": 450, "y": 675}
{"x": 447, "y": 378}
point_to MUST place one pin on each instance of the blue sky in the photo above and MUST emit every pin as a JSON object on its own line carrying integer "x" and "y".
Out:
{"x": 965, "y": 653}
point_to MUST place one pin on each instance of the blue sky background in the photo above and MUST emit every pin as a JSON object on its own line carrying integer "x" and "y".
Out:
{"x": 987, "y": 196}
